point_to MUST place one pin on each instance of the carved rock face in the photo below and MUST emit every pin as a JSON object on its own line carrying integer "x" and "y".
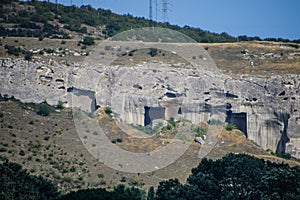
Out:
{"x": 271, "y": 106}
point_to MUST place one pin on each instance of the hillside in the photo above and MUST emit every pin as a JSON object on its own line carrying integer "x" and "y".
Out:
{"x": 49, "y": 146}
{"x": 43, "y": 19}
{"x": 43, "y": 49}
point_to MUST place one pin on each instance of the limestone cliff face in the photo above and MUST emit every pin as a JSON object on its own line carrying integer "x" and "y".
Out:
{"x": 266, "y": 109}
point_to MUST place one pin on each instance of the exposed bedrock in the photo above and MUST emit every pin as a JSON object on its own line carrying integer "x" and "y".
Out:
{"x": 267, "y": 110}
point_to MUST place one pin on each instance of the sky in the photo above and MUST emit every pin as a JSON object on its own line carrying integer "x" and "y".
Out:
{"x": 263, "y": 18}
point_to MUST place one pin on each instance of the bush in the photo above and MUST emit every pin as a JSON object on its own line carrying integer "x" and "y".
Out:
{"x": 230, "y": 127}
{"x": 153, "y": 52}
{"x": 108, "y": 110}
{"x": 117, "y": 140}
{"x": 22, "y": 153}
{"x": 198, "y": 131}
{"x": 12, "y": 50}
{"x": 60, "y": 105}
{"x": 88, "y": 41}
{"x": 28, "y": 56}
{"x": 101, "y": 175}
{"x": 44, "y": 109}
{"x": 1, "y": 114}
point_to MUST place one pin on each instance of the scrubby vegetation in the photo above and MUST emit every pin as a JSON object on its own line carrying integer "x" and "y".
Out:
{"x": 40, "y": 19}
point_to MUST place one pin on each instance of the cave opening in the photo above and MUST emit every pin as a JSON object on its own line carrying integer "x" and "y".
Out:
{"x": 84, "y": 99}
{"x": 152, "y": 113}
{"x": 239, "y": 120}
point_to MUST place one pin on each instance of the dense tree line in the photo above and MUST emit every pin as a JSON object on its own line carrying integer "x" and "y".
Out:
{"x": 235, "y": 176}
{"x": 73, "y": 17}
{"x": 16, "y": 183}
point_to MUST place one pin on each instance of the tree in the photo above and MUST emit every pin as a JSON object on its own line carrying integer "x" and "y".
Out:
{"x": 16, "y": 183}
{"x": 151, "y": 193}
{"x": 88, "y": 41}
{"x": 44, "y": 109}
{"x": 170, "y": 189}
{"x": 235, "y": 176}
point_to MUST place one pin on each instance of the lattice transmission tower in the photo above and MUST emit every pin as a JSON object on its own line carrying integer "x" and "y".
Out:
{"x": 165, "y": 8}
{"x": 150, "y": 10}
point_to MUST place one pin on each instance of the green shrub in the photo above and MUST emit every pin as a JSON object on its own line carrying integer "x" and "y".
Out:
{"x": 88, "y": 41}
{"x": 67, "y": 179}
{"x": 95, "y": 133}
{"x": 230, "y": 127}
{"x": 108, "y": 110}
{"x": 153, "y": 52}
{"x": 117, "y": 140}
{"x": 12, "y": 50}
{"x": 198, "y": 131}
{"x": 60, "y": 105}
{"x": 44, "y": 109}
{"x": 46, "y": 137}
{"x": 73, "y": 169}
{"x": 1, "y": 114}
{"x": 28, "y": 55}
{"x": 101, "y": 175}
{"x": 22, "y": 153}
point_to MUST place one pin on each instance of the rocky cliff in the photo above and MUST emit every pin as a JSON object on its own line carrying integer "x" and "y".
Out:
{"x": 267, "y": 110}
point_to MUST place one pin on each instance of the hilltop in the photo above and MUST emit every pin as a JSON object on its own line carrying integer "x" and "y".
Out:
{"x": 45, "y": 19}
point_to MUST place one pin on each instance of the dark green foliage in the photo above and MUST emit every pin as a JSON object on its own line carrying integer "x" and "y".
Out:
{"x": 171, "y": 124}
{"x": 198, "y": 131}
{"x": 230, "y": 127}
{"x": 149, "y": 129}
{"x": 73, "y": 17}
{"x": 151, "y": 193}
{"x": 117, "y": 140}
{"x": 170, "y": 189}
{"x": 22, "y": 153}
{"x": 120, "y": 192}
{"x": 88, "y": 41}
{"x": 284, "y": 155}
{"x": 28, "y": 56}
{"x": 108, "y": 110}
{"x": 153, "y": 52}
{"x": 235, "y": 176}
{"x": 60, "y": 105}
{"x": 1, "y": 114}
{"x": 44, "y": 109}
{"x": 16, "y": 183}
{"x": 12, "y": 50}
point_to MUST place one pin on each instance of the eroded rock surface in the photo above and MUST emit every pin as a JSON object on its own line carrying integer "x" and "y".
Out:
{"x": 266, "y": 109}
